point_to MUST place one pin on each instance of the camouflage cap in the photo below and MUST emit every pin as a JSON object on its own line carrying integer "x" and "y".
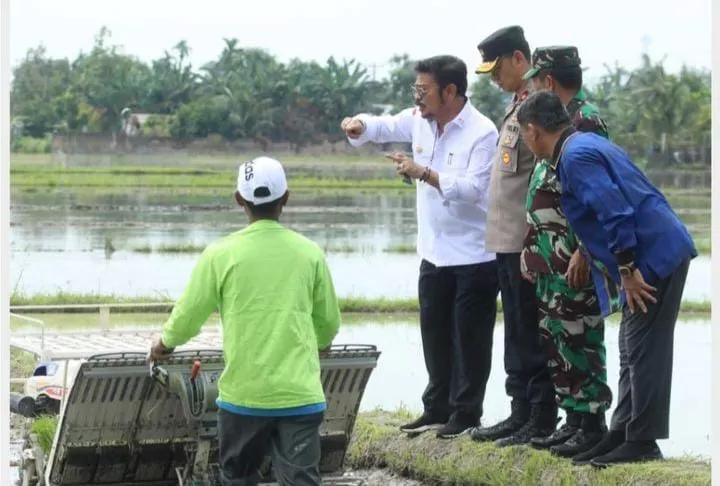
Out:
{"x": 553, "y": 57}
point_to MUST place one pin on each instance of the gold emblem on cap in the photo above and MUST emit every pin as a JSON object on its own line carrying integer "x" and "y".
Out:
{"x": 418, "y": 150}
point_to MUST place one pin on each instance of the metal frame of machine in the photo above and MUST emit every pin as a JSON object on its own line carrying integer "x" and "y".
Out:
{"x": 124, "y": 424}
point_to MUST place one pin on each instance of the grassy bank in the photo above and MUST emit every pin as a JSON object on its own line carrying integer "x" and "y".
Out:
{"x": 352, "y": 304}
{"x": 377, "y": 443}
{"x": 162, "y": 196}
{"x": 193, "y": 180}
{"x": 703, "y": 247}
{"x": 186, "y": 248}
{"x": 20, "y": 160}
{"x": 205, "y": 172}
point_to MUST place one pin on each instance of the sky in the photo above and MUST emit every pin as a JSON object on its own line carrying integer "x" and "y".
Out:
{"x": 370, "y": 31}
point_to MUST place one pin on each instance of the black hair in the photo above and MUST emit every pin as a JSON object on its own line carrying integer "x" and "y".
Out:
{"x": 570, "y": 78}
{"x": 446, "y": 70}
{"x": 525, "y": 49}
{"x": 265, "y": 210}
{"x": 544, "y": 109}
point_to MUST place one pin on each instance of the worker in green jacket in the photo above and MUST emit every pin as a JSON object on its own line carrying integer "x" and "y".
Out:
{"x": 273, "y": 290}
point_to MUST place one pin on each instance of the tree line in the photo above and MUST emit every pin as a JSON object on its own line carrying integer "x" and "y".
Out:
{"x": 246, "y": 93}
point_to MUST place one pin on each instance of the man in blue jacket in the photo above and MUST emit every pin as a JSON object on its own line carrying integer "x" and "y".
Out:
{"x": 633, "y": 234}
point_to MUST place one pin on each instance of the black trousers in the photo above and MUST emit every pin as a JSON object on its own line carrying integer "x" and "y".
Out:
{"x": 528, "y": 378}
{"x": 244, "y": 442}
{"x": 458, "y": 307}
{"x": 646, "y": 361}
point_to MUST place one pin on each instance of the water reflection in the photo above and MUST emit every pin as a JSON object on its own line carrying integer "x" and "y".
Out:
{"x": 58, "y": 239}
{"x": 372, "y": 275}
{"x": 401, "y": 378}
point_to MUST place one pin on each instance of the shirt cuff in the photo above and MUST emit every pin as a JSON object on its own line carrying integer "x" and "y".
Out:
{"x": 366, "y": 135}
{"x": 625, "y": 257}
{"x": 168, "y": 341}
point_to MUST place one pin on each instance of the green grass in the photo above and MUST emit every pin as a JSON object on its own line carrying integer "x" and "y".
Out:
{"x": 44, "y": 429}
{"x": 376, "y": 442}
{"x": 167, "y": 196}
{"x": 132, "y": 179}
{"x": 64, "y": 298}
{"x": 703, "y": 245}
{"x": 197, "y": 173}
{"x": 18, "y": 160}
{"x": 401, "y": 248}
{"x": 22, "y": 365}
{"x": 344, "y": 249}
{"x": 351, "y": 304}
{"x": 186, "y": 248}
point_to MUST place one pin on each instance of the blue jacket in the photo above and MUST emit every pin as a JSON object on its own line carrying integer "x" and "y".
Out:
{"x": 613, "y": 207}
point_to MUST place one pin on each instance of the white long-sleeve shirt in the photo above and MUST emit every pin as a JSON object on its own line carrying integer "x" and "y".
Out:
{"x": 452, "y": 220}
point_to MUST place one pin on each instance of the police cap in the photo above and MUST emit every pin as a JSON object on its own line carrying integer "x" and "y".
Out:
{"x": 500, "y": 43}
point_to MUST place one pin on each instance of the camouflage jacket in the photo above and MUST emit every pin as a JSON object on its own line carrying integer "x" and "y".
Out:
{"x": 550, "y": 242}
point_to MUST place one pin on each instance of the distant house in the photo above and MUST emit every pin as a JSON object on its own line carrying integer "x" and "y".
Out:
{"x": 133, "y": 122}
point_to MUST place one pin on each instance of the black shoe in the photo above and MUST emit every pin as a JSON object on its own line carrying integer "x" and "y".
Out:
{"x": 581, "y": 442}
{"x": 630, "y": 452}
{"x": 612, "y": 440}
{"x": 591, "y": 433}
{"x": 423, "y": 424}
{"x": 520, "y": 413}
{"x": 458, "y": 424}
{"x": 542, "y": 422}
{"x": 565, "y": 432}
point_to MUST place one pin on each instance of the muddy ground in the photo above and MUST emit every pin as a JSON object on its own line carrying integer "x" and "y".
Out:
{"x": 372, "y": 477}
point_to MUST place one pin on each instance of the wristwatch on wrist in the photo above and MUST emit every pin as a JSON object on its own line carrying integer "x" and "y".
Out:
{"x": 627, "y": 269}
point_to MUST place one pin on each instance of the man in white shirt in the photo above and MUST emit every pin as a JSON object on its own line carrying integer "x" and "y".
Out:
{"x": 453, "y": 149}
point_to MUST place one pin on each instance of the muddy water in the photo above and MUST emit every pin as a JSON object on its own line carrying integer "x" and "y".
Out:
{"x": 400, "y": 377}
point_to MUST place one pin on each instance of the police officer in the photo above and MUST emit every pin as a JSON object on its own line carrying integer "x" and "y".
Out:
{"x": 571, "y": 313}
{"x": 506, "y": 57}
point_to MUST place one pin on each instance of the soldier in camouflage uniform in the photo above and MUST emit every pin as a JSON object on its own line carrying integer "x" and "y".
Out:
{"x": 571, "y": 321}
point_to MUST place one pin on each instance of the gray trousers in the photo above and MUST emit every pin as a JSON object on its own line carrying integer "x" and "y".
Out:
{"x": 646, "y": 362}
{"x": 294, "y": 442}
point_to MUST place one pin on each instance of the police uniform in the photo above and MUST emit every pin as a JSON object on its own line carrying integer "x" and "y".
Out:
{"x": 528, "y": 383}
{"x": 571, "y": 322}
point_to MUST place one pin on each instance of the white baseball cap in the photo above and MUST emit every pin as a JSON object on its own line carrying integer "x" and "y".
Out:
{"x": 261, "y": 180}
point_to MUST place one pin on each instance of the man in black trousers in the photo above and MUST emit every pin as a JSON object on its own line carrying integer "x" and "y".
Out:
{"x": 633, "y": 235}
{"x": 453, "y": 148}
{"x": 506, "y": 58}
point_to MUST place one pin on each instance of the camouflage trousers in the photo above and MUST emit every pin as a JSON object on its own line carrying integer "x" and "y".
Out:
{"x": 572, "y": 332}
